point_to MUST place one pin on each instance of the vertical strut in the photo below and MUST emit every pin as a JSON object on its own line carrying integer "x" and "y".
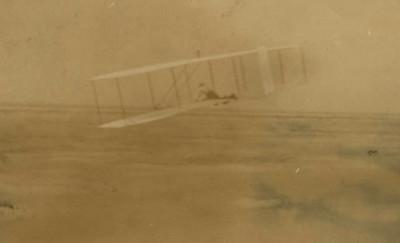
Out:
{"x": 187, "y": 79}
{"x": 303, "y": 64}
{"x": 281, "y": 67}
{"x": 211, "y": 72}
{"x": 121, "y": 100}
{"x": 235, "y": 72}
{"x": 243, "y": 71}
{"x": 151, "y": 90}
{"x": 175, "y": 84}
{"x": 96, "y": 100}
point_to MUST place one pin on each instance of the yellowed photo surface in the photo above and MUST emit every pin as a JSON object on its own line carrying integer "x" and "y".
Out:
{"x": 199, "y": 121}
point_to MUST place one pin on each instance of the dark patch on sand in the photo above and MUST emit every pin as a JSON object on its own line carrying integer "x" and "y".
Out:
{"x": 373, "y": 152}
{"x": 323, "y": 209}
{"x": 7, "y": 204}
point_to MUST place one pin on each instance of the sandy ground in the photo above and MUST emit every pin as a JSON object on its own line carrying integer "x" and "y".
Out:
{"x": 202, "y": 177}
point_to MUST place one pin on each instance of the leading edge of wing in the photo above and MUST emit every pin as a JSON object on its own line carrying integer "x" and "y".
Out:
{"x": 156, "y": 115}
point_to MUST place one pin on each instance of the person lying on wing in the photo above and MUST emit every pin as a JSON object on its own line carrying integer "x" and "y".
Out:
{"x": 205, "y": 93}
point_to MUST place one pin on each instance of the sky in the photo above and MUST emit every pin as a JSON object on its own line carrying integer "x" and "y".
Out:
{"x": 48, "y": 49}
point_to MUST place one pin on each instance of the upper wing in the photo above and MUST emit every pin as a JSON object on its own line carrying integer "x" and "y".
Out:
{"x": 152, "y": 68}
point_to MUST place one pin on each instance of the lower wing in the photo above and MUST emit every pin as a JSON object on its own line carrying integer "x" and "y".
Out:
{"x": 160, "y": 114}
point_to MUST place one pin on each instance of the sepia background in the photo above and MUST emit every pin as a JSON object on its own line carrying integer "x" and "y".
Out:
{"x": 313, "y": 161}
